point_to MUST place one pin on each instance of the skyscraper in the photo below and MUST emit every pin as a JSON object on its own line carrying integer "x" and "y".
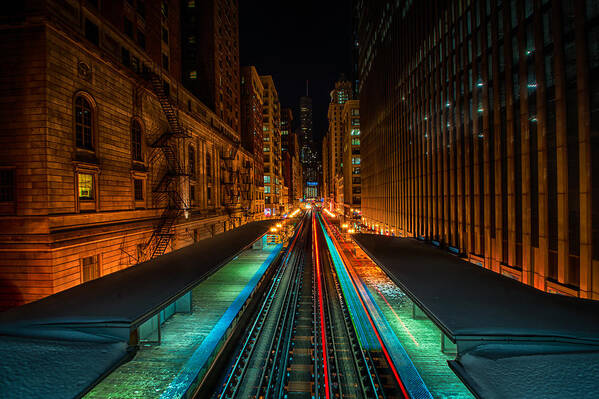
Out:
{"x": 210, "y": 55}
{"x": 479, "y": 124}
{"x": 305, "y": 112}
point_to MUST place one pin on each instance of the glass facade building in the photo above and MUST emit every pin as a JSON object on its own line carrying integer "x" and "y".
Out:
{"x": 480, "y": 132}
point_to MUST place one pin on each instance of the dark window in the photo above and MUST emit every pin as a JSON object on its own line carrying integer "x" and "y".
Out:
{"x": 91, "y": 32}
{"x": 136, "y": 141}
{"x": 192, "y": 192}
{"x": 164, "y": 9}
{"x": 125, "y": 57}
{"x": 209, "y": 193}
{"x": 165, "y": 35}
{"x": 138, "y": 189}
{"x": 165, "y": 61}
{"x": 191, "y": 161}
{"x": 90, "y": 268}
{"x": 128, "y": 27}
{"x": 83, "y": 123}
{"x": 209, "y": 167}
{"x": 141, "y": 39}
{"x": 7, "y": 185}
{"x": 141, "y": 8}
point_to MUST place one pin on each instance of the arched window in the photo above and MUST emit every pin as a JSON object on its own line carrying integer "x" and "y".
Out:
{"x": 84, "y": 124}
{"x": 191, "y": 161}
{"x": 136, "y": 141}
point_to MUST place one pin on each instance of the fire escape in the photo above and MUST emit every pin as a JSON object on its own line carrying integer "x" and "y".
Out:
{"x": 229, "y": 179}
{"x": 245, "y": 188}
{"x": 168, "y": 188}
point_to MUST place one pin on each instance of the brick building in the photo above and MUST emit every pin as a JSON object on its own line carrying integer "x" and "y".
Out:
{"x": 105, "y": 159}
{"x": 273, "y": 161}
{"x": 252, "y": 125}
{"x": 480, "y": 132}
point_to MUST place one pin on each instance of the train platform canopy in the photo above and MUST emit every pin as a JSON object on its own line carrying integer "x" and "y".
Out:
{"x": 511, "y": 338}
{"x": 63, "y": 343}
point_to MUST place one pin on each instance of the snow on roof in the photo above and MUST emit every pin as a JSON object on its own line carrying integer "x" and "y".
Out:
{"x": 529, "y": 371}
{"x": 468, "y": 300}
{"x": 513, "y": 341}
{"x": 61, "y": 345}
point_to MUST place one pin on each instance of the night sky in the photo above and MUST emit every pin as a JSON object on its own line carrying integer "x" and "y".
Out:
{"x": 295, "y": 41}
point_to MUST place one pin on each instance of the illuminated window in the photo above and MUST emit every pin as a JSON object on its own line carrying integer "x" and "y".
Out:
{"x": 267, "y": 189}
{"x": 85, "y": 186}
{"x": 136, "y": 141}
{"x": 193, "y": 74}
{"x": 83, "y": 123}
{"x": 191, "y": 4}
{"x": 355, "y": 132}
{"x": 267, "y": 179}
{"x": 355, "y": 141}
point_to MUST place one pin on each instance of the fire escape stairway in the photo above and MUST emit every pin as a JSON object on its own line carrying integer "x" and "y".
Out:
{"x": 168, "y": 188}
{"x": 230, "y": 179}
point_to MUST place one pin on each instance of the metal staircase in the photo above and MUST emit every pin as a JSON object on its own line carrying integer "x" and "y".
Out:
{"x": 229, "y": 179}
{"x": 166, "y": 145}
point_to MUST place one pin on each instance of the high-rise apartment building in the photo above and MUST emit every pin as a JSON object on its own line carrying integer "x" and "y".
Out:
{"x": 210, "y": 62}
{"x": 480, "y": 126}
{"x": 352, "y": 187}
{"x": 339, "y": 96}
{"x": 273, "y": 161}
{"x": 110, "y": 160}
{"x": 252, "y": 127}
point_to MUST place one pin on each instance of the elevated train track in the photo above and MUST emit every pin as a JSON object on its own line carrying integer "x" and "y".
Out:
{"x": 312, "y": 335}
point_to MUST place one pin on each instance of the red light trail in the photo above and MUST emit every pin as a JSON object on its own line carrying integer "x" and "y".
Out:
{"x": 320, "y": 300}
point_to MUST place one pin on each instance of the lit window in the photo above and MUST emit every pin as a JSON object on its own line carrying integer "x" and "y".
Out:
{"x": 355, "y": 141}
{"x": 267, "y": 189}
{"x": 355, "y": 132}
{"x": 86, "y": 186}
{"x": 355, "y": 160}
{"x": 191, "y": 4}
{"x": 267, "y": 179}
{"x": 193, "y": 74}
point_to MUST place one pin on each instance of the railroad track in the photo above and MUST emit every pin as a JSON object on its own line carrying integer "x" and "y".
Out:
{"x": 311, "y": 336}
{"x": 259, "y": 368}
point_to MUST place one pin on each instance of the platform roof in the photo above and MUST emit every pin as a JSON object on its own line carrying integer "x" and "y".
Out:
{"x": 464, "y": 299}
{"x": 519, "y": 342}
{"x": 125, "y": 299}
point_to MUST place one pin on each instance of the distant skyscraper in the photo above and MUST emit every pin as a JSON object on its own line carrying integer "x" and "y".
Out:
{"x": 305, "y": 109}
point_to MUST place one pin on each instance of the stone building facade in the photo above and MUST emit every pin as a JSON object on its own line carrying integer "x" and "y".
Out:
{"x": 80, "y": 170}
